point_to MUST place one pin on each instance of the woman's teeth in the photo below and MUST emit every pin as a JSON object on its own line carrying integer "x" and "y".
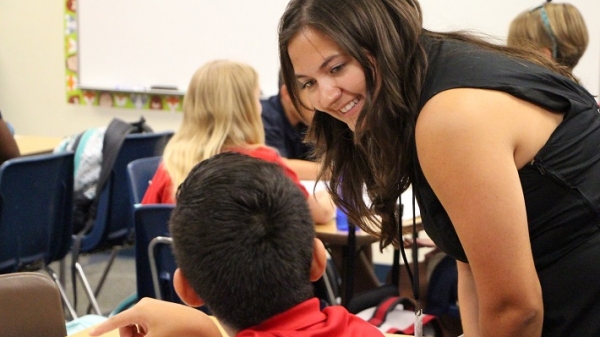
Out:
{"x": 349, "y": 106}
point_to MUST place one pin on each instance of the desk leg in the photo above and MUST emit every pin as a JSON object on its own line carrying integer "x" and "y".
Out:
{"x": 355, "y": 271}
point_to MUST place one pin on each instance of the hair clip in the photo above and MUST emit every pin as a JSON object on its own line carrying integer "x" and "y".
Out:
{"x": 548, "y": 28}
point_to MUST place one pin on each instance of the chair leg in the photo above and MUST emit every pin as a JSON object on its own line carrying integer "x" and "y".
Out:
{"x": 92, "y": 295}
{"x": 330, "y": 294}
{"x": 87, "y": 288}
{"x": 62, "y": 267}
{"x": 111, "y": 260}
{"x": 63, "y": 294}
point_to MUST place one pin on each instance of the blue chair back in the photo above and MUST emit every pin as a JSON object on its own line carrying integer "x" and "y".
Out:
{"x": 35, "y": 210}
{"x": 139, "y": 174}
{"x": 114, "y": 219}
{"x": 151, "y": 221}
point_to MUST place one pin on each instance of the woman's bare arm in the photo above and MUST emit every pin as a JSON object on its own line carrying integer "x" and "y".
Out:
{"x": 470, "y": 146}
{"x": 305, "y": 169}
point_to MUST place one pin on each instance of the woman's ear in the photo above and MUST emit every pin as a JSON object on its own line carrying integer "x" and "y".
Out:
{"x": 319, "y": 260}
{"x": 185, "y": 291}
{"x": 547, "y": 53}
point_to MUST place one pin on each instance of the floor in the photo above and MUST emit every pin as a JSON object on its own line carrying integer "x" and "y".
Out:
{"x": 118, "y": 285}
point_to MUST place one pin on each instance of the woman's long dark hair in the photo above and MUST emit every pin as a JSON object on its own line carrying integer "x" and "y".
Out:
{"x": 384, "y": 36}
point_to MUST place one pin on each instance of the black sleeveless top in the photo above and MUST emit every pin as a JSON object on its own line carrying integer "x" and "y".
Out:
{"x": 561, "y": 185}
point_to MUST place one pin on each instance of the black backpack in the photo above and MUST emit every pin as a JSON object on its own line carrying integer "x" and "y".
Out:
{"x": 95, "y": 151}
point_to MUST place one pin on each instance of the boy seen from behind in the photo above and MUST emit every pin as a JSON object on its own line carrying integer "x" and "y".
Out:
{"x": 245, "y": 245}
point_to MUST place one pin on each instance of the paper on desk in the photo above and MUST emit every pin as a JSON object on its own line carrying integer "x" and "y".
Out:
{"x": 406, "y": 198}
{"x": 312, "y": 185}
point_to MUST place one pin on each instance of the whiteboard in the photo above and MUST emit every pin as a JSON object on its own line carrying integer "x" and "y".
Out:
{"x": 135, "y": 44}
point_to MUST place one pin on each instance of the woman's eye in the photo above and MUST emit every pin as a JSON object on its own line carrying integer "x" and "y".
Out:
{"x": 306, "y": 84}
{"x": 337, "y": 68}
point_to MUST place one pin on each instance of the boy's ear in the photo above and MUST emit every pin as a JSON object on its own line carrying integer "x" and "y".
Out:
{"x": 319, "y": 260}
{"x": 185, "y": 291}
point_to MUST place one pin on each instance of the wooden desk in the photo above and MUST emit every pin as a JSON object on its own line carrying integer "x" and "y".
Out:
{"x": 328, "y": 232}
{"x": 30, "y": 145}
{"x": 353, "y": 242}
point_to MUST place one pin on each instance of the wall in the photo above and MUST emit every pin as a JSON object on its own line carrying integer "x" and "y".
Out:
{"x": 493, "y": 18}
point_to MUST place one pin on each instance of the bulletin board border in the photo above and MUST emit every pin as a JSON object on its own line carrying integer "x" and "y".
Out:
{"x": 91, "y": 97}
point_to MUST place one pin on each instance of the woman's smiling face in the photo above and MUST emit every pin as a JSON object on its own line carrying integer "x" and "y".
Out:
{"x": 333, "y": 81}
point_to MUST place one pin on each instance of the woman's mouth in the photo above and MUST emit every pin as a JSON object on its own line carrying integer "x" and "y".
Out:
{"x": 349, "y": 106}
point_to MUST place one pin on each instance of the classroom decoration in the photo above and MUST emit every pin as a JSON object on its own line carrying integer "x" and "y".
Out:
{"x": 116, "y": 98}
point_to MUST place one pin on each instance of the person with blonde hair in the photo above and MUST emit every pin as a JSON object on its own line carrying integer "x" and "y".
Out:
{"x": 221, "y": 113}
{"x": 557, "y": 30}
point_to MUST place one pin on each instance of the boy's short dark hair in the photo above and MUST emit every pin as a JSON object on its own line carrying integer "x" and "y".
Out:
{"x": 243, "y": 238}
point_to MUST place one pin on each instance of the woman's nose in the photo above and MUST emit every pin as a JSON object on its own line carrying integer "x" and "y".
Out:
{"x": 329, "y": 93}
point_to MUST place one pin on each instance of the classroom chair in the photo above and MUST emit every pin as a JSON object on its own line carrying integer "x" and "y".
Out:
{"x": 30, "y": 305}
{"x": 113, "y": 227}
{"x": 154, "y": 264}
{"x": 139, "y": 174}
{"x": 35, "y": 214}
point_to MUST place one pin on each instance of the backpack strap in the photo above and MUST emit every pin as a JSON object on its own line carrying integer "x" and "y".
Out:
{"x": 387, "y": 305}
{"x": 114, "y": 137}
{"x": 382, "y": 310}
{"x": 140, "y": 126}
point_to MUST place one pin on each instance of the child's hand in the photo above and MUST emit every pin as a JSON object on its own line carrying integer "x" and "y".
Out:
{"x": 150, "y": 317}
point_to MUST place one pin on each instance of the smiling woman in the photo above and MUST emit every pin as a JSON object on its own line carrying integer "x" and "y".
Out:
{"x": 334, "y": 81}
{"x": 398, "y": 105}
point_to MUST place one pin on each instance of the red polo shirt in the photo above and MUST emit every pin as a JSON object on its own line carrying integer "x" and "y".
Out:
{"x": 307, "y": 320}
